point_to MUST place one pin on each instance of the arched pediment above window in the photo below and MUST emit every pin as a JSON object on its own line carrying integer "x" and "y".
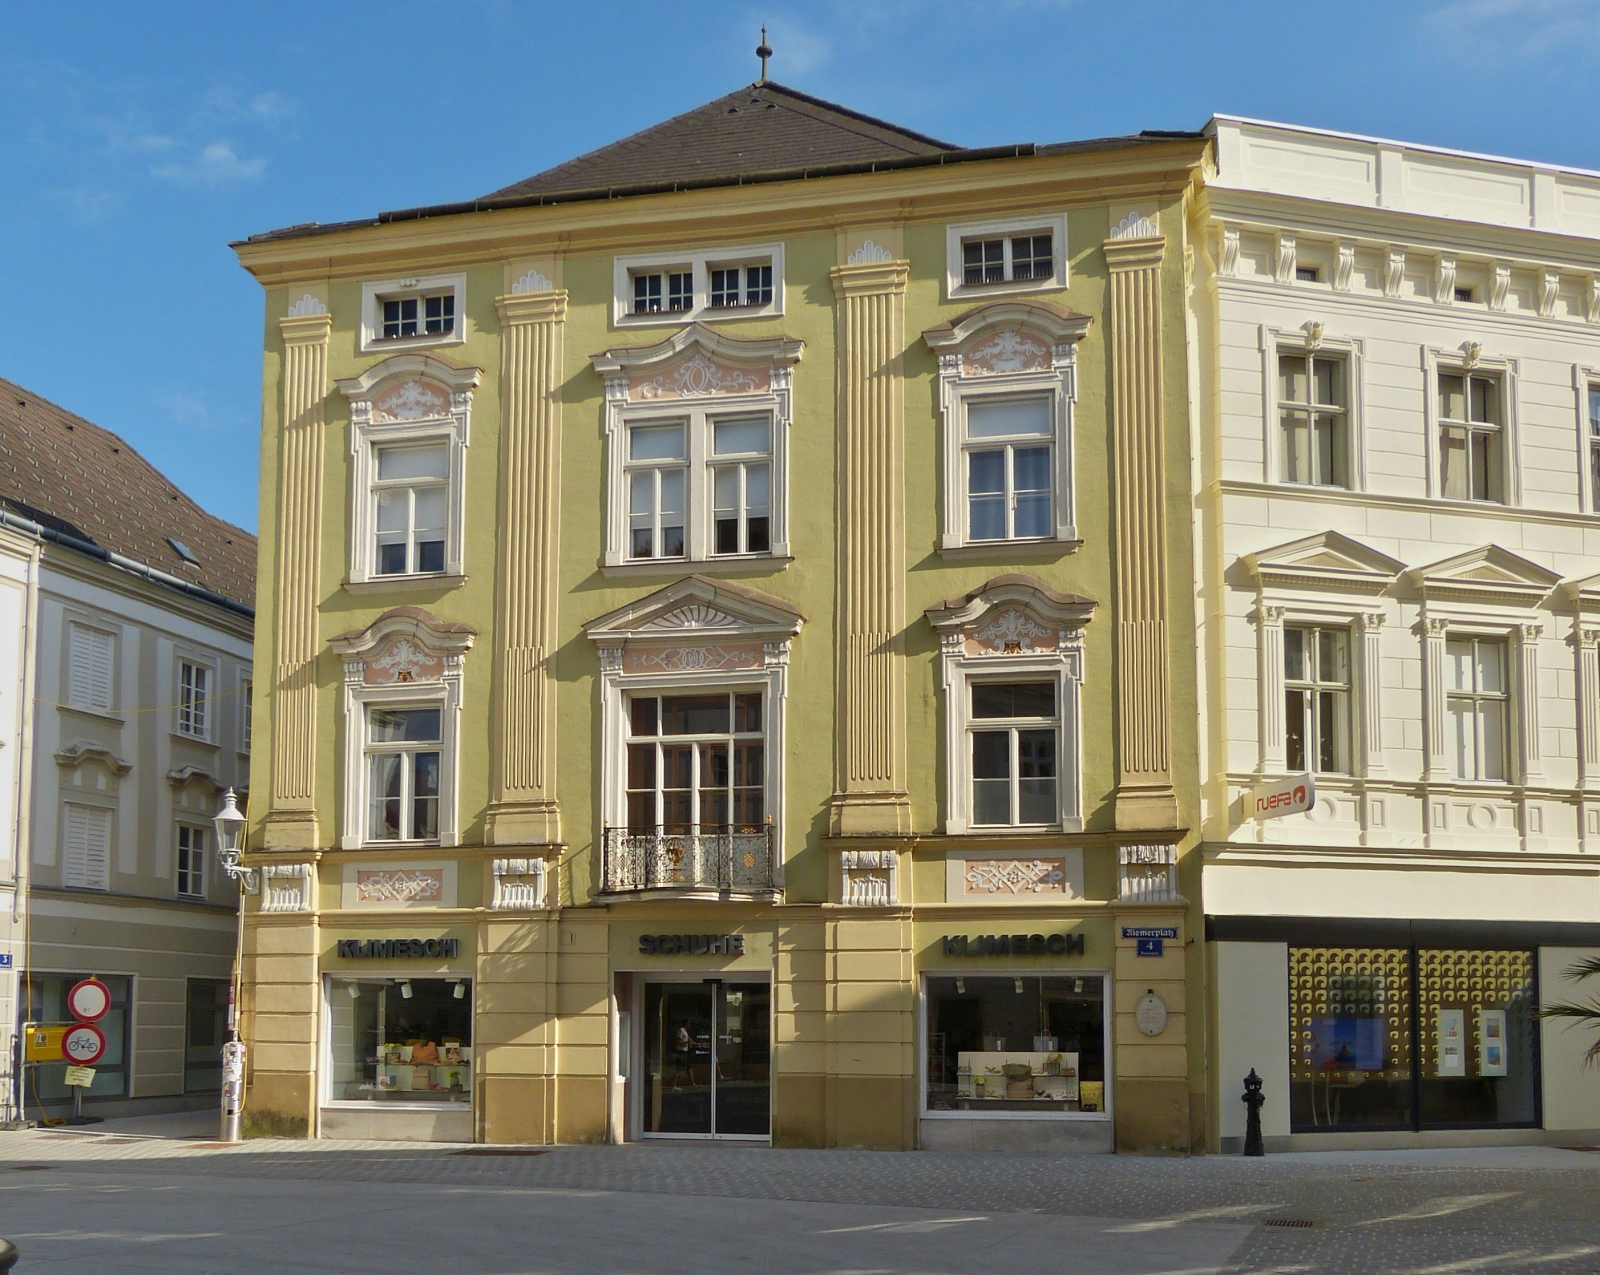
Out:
{"x": 698, "y": 361}
{"x": 1007, "y": 336}
{"x": 409, "y": 387}
{"x": 403, "y": 645}
{"x": 89, "y": 753}
{"x": 1011, "y": 615}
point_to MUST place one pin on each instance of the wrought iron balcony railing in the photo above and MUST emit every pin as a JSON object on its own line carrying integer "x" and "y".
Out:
{"x": 727, "y": 860}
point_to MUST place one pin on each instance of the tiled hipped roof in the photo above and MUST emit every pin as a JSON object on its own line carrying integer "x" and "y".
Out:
{"x": 71, "y": 476}
{"x": 763, "y": 128}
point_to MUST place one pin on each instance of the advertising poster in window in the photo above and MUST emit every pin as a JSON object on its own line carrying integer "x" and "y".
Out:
{"x": 1492, "y": 1042}
{"x": 1452, "y": 1043}
{"x": 1348, "y": 1043}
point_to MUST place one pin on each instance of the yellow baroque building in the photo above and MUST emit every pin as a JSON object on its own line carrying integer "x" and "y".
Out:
{"x": 725, "y": 607}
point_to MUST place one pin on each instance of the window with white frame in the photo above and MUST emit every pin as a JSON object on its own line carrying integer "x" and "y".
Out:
{"x": 700, "y": 485}
{"x": 247, "y": 692}
{"x": 1024, "y": 254}
{"x": 191, "y": 861}
{"x": 1472, "y": 440}
{"x": 1316, "y": 680}
{"x": 404, "y": 752}
{"x": 1477, "y": 705}
{"x": 1313, "y": 415}
{"x": 194, "y": 699}
{"x": 412, "y": 312}
{"x": 1593, "y": 397}
{"x": 1009, "y": 455}
{"x": 729, "y": 282}
{"x": 85, "y": 846}
{"x": 410, "y": 419}
{"x": 411, "y": 498}
{"x": 696, "y": 761}
{"x": 1014, "y": 733}
{"x": 91, "y": 655}
{"x": 1007, "y": 380}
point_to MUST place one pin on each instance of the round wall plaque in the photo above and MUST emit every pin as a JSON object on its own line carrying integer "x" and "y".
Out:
{"x": 1151, "y": 1014}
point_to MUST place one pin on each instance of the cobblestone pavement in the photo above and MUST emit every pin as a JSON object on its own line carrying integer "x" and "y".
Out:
{"x": 107, "y": 1203}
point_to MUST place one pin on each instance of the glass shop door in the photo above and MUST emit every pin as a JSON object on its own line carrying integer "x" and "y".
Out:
{"x": 707, "y": 1054}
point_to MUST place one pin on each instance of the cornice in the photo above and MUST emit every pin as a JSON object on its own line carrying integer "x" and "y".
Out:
{"x": 1376, "y": 500}
{"x": 1134, "y": 254}
{"x": 94, "y": 572}
{"x": 305, "y": 329}
{"x": 1003, "y": 187}
{"x": 1371, "y": 227}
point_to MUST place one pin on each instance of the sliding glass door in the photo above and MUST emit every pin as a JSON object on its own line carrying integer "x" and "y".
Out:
{"x": 707, "y": 1053}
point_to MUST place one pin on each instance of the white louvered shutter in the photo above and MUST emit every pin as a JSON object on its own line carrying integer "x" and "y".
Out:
{"x": 86, "y": 847}
{"x": 89, "y": 654}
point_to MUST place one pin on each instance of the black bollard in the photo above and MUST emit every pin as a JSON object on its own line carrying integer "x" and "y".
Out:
{"x": 1253, "y": 1100}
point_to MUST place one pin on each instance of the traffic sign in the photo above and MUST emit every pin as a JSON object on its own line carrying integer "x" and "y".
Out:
{"x": 83, "y": 1044}
{"x": 89, "y": 1000}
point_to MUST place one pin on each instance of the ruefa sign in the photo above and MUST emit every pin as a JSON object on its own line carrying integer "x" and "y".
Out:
{"x": 1276, "y": 798}
{"x": 387, "y": 949}
{"x": 1012, "y": 944}
{"x": 691, "y": 945}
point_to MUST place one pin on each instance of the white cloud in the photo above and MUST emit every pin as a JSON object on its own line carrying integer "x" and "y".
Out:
{"x": 216, "y": 165}
{"x": 191, "y": 410}
{"x": 271, "y": 107}
{"x": 1489, "y": 28}
{"x": 87, "y": 203}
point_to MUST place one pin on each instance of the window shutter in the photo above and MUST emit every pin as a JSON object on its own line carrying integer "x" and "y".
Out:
{"x": 86, "y": 847}
{"x": 89, "y": 655}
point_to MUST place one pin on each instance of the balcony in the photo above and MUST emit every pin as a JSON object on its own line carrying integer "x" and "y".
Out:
{"x": 689, "y": 860}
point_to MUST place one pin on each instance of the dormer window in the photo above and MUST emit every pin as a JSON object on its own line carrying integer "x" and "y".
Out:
{"x": 747, "y": 281}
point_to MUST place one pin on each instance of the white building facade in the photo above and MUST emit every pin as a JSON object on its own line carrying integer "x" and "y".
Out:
{"x": 19, "y": 593}
{"x": 1397, "y": 478}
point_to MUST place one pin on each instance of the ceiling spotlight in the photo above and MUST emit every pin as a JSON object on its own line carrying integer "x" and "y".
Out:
{"x": 1018, "y": 985}
{"x": 1077, "y": 984}
{"x": 961, "y": 987}
{"x": 405, "y": 988}
{"x": 461, "y": 989}
{"x": 355, "y": 991}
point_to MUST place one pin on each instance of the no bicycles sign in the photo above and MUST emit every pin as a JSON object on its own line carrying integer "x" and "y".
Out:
{"x": 83, "y": 1044}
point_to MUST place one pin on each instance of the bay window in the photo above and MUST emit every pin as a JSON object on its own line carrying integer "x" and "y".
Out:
{"x": 696, "y": 761}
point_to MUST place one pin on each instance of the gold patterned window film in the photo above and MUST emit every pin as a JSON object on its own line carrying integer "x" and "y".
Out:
{"x": 1477, "y": 1052}
{"x": 1350, "y": 1027}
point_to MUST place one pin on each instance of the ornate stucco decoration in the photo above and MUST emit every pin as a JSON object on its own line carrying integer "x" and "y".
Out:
{"x": 404, "y": 644}
{"x": 518, "y": 884}
{"x": 1015, "y": 876}
{"x": 400, "y": 885}
{"x": 1148, "y": 874}
{"x": 698, "y": 361}
{"x": 287, "y": 887}
{"x": 869, "y": 878}
{"x": 407, "y": 388}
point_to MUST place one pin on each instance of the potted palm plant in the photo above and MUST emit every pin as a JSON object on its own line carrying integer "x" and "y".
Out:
{"x": 1585, "y": 1013}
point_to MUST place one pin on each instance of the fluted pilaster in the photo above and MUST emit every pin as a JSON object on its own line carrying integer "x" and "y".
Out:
{"x": 1145, "y": 798}
{"x": 292, "y": 820}
{"x": 870, "y": 786}
{"x": 523, "y": 806}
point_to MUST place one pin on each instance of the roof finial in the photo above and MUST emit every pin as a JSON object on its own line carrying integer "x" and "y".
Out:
{"x": 763, "y": 51}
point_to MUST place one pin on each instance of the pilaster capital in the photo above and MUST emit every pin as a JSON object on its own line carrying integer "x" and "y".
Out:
{"x": 306, "y": 329}
{"x": 870, "y": 277}
{"x": 1435, "y": 625}
{"x": 1143, "y": 253}
{"x": 1267, "y": 613}
{"x": 532, "y": 307}
{"x": 1372, "y": 621}
{"x": 1530, "y": 632}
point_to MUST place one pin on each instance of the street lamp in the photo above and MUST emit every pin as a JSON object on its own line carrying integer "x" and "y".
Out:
{"x": 230, "y": 825}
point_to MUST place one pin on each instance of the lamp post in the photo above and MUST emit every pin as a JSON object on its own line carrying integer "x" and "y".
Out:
{"x": 230, "y": 826}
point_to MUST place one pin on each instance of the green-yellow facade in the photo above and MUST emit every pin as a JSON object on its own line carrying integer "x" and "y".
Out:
{"x": 767, "y": 717}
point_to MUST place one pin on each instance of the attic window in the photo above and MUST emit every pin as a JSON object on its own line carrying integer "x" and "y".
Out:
{"x": 1023, "y": 255}
{"x": 748, "y": 281}
{"x": 183, "y": 551}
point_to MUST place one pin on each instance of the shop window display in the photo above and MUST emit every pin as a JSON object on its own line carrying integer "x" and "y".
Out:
{"x": 1406, "y": 1038}
{"x": 400, "y": 1040}
{"x": 1016, "y": 1044}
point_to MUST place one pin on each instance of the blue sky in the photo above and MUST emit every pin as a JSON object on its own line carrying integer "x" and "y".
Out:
{"x": 139, "y": 139}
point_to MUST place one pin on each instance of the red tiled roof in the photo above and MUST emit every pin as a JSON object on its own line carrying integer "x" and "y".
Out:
{"x": 72, "y": 476}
